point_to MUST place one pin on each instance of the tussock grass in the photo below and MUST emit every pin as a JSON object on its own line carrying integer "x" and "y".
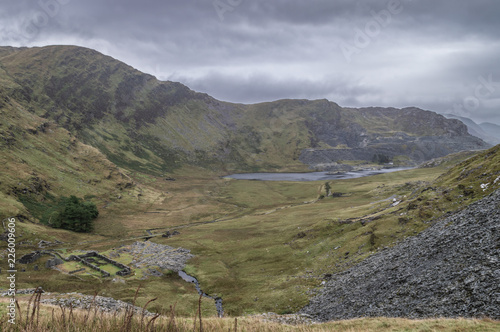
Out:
{"x": 32, "y": 316}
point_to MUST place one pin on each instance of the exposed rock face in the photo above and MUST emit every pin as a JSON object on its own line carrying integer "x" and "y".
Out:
{"x": 417, "y": 149}
{"x": 452, "y": 269}
{"x": 417, "y": 134}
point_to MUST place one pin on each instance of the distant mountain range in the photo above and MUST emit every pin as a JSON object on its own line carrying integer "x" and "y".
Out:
{"x": 491, "y": 129}
{"x": 488, "y": 132}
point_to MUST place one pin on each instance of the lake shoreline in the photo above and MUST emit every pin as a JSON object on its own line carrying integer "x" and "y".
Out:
{"x": 314, "y": 176}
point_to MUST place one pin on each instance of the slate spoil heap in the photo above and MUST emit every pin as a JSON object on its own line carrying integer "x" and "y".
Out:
{"x": 452, "y": 269}
{"x": 147, "y": 254}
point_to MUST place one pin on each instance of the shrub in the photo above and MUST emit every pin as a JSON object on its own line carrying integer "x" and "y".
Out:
{"x": 71, "y": 213}
{"x": 327, "y": 189}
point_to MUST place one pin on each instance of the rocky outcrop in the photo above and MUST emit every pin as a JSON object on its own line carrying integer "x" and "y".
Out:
{"x": 416, "y": 149}
{"x": 369, "y": 134}
{"x": 101, "y": 303}
{"x": 291, "y": 319}
{"x": 148, "y": 254}
{"x": 452, "y": 269}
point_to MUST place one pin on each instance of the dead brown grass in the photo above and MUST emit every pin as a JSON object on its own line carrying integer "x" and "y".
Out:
{"x": 32, "y": 316}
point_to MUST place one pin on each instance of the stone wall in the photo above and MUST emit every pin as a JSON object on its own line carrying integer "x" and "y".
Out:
{"x": 125, "y": 270}
{"x": 92, "y": 266}
{"x": 59, "y": 259}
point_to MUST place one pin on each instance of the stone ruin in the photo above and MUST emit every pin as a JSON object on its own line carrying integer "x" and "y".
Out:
{"x": 84, "y": 259}
{"x": 53, "y": 262}
{"x": 125, "y": 270}
{"x": 30, "y": 258}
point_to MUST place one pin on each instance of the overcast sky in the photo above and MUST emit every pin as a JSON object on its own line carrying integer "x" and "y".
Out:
{"x": 437, "y": 55}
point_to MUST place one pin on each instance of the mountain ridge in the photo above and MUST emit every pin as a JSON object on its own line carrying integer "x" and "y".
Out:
{"x": 168, "y": 124}
{"x": 150, "y": 155}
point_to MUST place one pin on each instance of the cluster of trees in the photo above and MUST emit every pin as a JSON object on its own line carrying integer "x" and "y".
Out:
{"x": 72, "y": 213}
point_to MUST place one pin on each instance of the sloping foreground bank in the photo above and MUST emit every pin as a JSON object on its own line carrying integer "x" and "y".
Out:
{"x": 452, "y": 269}
{"x": 54, "y": 319}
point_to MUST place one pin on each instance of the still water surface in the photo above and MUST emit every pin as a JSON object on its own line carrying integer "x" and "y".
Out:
{"x": 313, "y": 176}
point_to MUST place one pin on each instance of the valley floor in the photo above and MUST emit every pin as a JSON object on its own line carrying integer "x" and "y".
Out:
{"x": 260, "y": 246}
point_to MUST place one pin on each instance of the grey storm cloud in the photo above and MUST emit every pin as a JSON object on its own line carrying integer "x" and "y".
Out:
{"x": 435, "y": 55}
{"x": 262, "y": 86}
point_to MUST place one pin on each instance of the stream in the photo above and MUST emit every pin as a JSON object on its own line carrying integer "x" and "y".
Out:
{"x": 218, "y": 301}
{"x": 312, "y": 176}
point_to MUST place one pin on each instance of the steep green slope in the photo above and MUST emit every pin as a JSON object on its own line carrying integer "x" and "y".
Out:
{"x": 109, "y": 104}
{"x": 41, "y": 160}
{"x": 461, "y": 185}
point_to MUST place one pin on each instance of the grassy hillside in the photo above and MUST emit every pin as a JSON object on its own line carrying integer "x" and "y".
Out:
{"x": 105, "y": 102}
{"x": 461, "y": 185}
{"x": 41, "y": 160}
{"x": 273, "y": 242}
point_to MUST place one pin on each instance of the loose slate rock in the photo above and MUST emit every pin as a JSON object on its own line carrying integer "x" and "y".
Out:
{"x": 452, "y": 269}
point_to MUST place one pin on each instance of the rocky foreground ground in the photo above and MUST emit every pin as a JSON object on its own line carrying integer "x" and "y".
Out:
{"x": 452, "y": 269}
{"x": 100, "y": 303}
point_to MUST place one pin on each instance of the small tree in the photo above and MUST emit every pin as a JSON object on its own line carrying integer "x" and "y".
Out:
{"x": 327, "y": 189}
{"x": 74, "y": 214}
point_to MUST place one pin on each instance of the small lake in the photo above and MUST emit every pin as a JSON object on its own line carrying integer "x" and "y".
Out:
{"x": 312, "y": 176}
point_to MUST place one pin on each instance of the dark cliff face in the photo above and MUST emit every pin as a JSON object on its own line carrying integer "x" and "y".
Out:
{"x": 358, "y": 127}
{"x": 415, "y": 149}
{"x": 335, "y": 132}
{"x": 362, "y": 134}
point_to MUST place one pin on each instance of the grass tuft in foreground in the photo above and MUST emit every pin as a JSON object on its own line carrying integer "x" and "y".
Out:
{"x": 32, "y": 316}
